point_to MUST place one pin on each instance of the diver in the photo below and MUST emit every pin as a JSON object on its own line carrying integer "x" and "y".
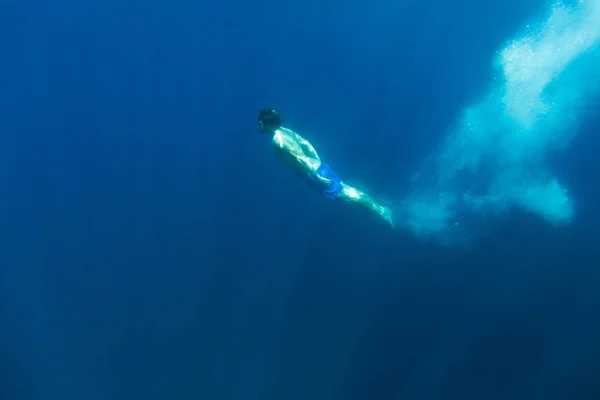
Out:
{"x": 298, "y": 154}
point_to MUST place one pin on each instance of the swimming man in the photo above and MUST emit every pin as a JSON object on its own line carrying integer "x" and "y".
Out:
{"x": 297, "y": 153}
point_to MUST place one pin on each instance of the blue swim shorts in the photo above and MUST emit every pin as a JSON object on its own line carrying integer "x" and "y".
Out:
{"x": 330, "y": 190}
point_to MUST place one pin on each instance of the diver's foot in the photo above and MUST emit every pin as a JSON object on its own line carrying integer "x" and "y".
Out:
{"x": 386, "y": 214}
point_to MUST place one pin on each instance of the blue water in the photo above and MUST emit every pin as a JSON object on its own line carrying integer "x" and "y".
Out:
{"x": 152, "y": 247}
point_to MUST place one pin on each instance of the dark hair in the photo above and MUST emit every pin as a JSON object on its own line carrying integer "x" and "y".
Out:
{"x": 269, "y": 120}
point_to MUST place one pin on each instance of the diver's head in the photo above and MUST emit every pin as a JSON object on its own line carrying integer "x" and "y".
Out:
{"x": 269, "y": 121}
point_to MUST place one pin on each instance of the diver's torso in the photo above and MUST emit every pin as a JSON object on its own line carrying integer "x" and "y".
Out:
{"x": 288, "y": 150}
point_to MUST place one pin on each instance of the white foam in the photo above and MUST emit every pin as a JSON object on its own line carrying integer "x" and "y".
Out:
{"x": 496, "y": 158}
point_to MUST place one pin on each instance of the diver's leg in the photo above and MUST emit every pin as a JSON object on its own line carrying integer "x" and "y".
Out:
{"x": 353, "y": 195}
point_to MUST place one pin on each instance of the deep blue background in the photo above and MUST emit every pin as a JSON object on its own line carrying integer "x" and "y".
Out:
{"x": 151, "y": 246}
